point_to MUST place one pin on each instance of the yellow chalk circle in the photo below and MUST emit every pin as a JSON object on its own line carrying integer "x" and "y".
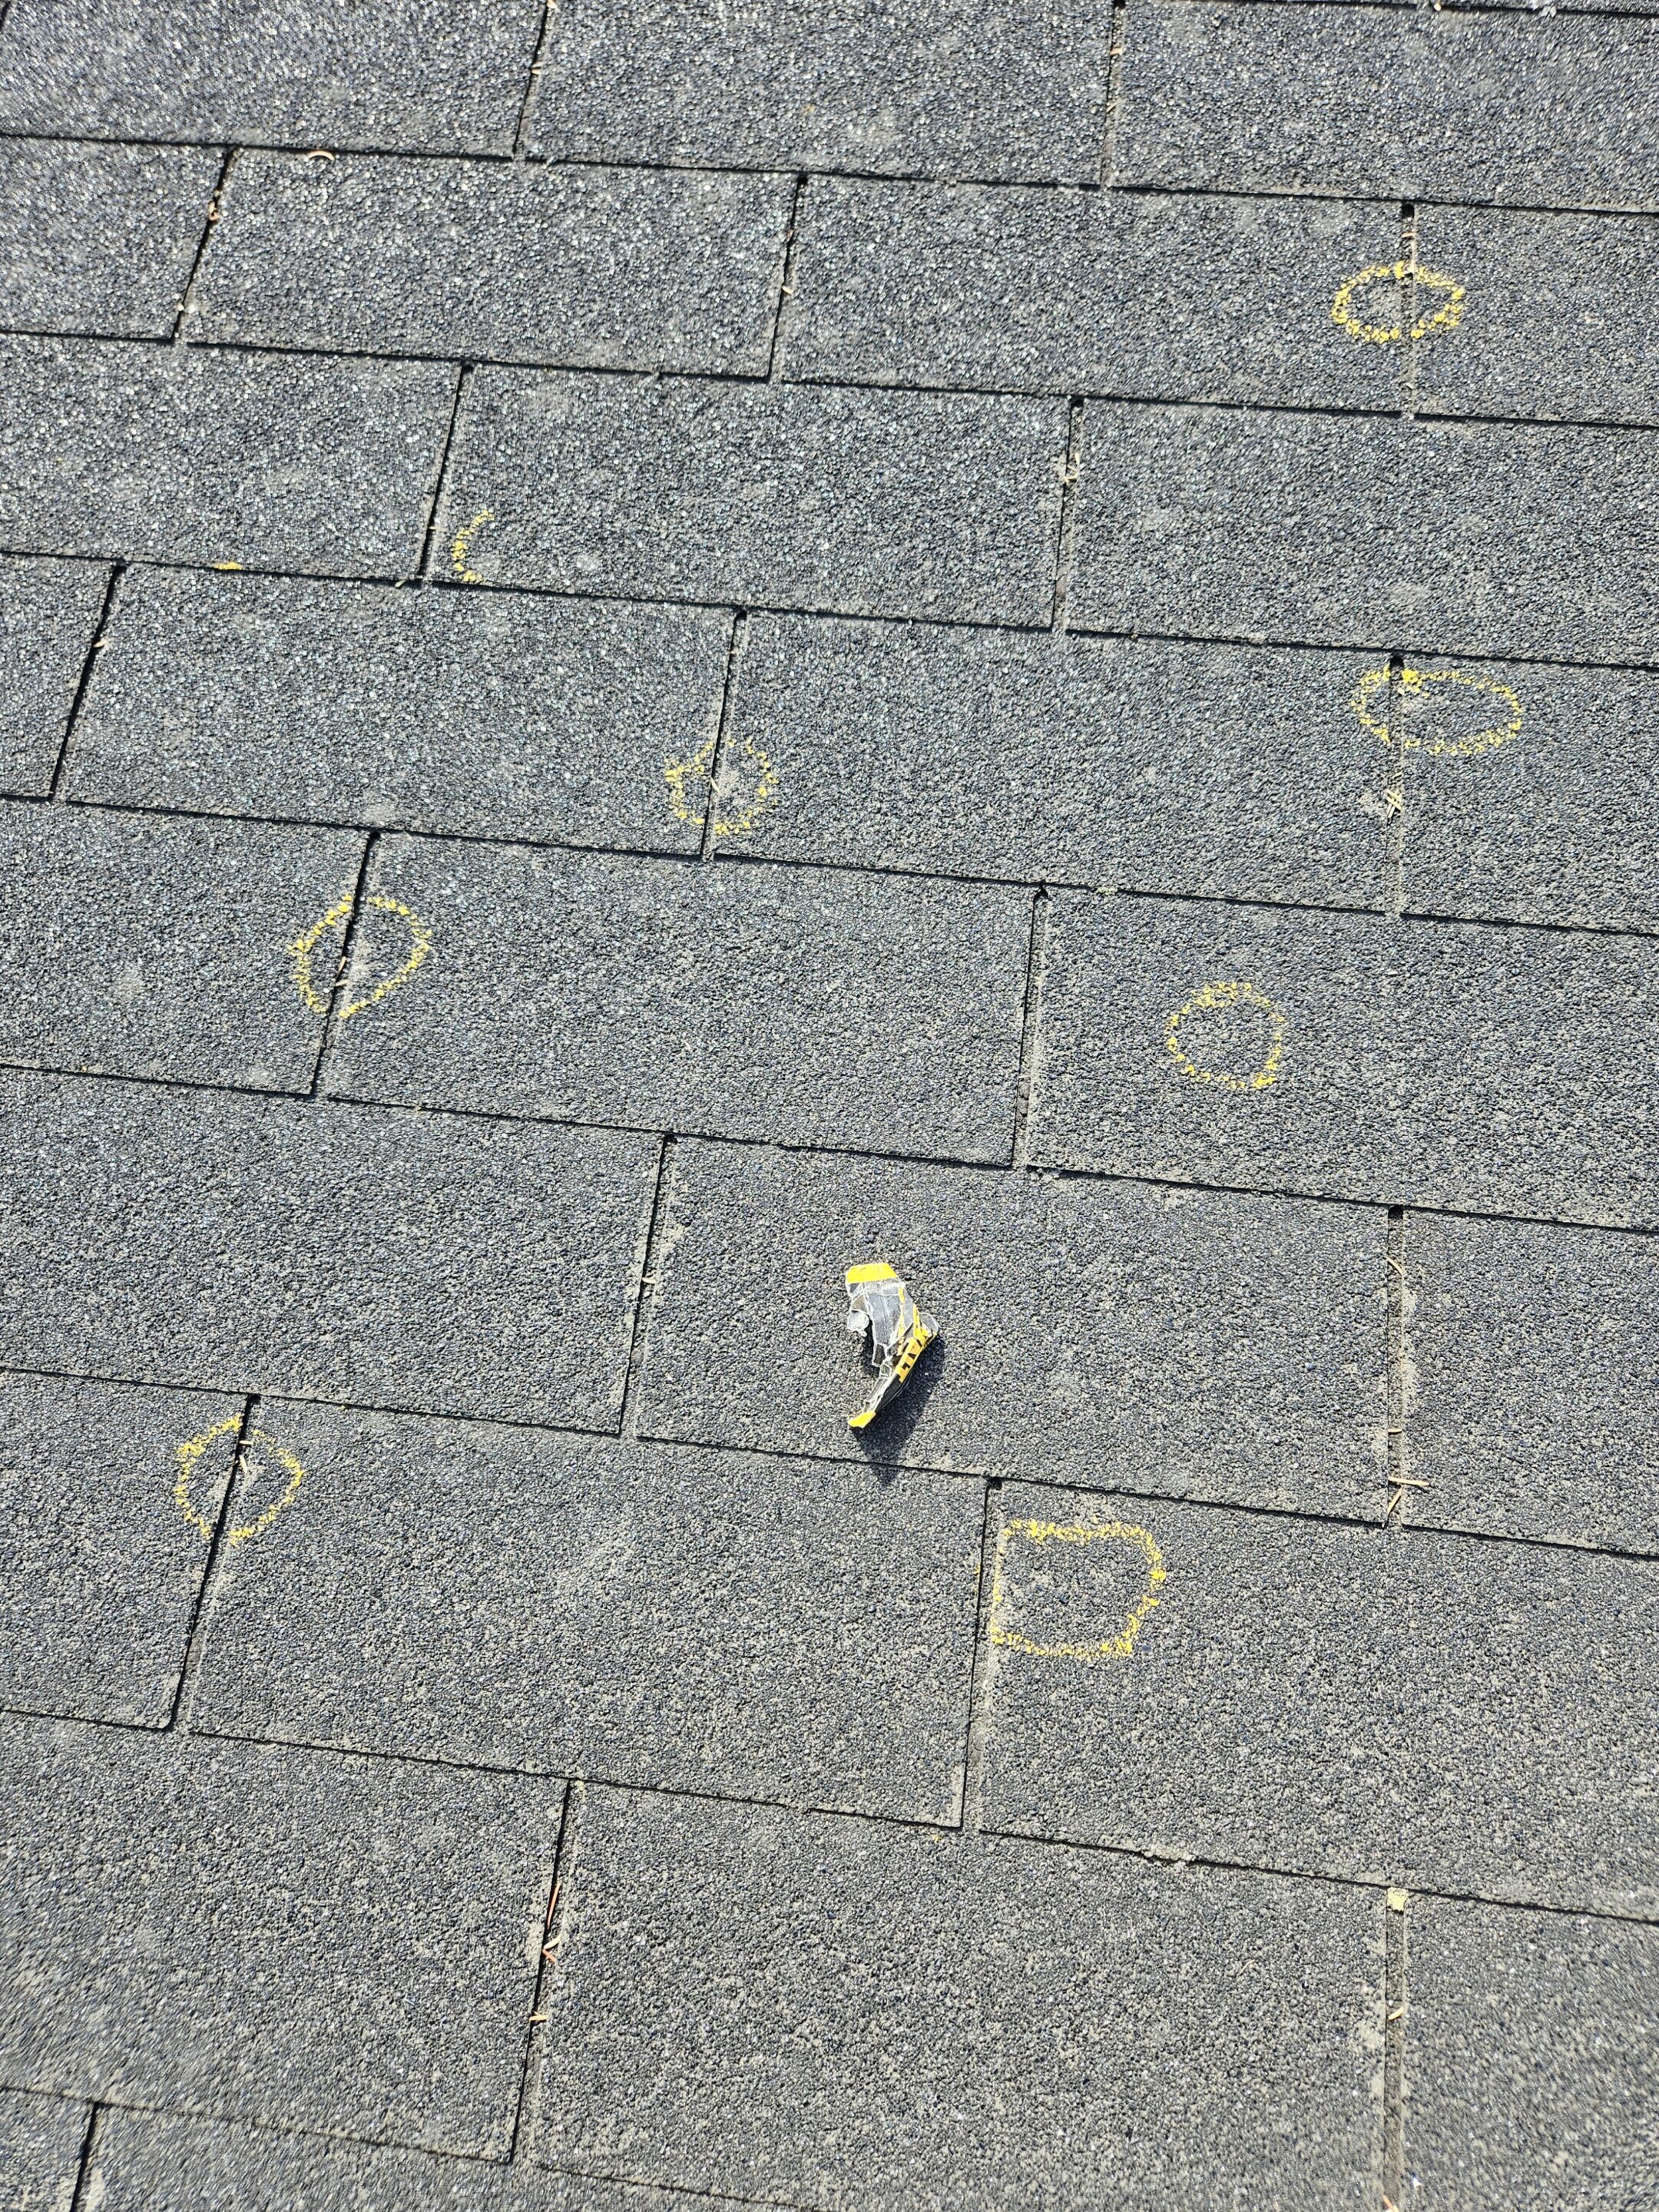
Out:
{"x": 1416, "y": 681}
{"x": 1213, "y": 998}
{"x": 690, "y": 803}
{"x": 461, "y": 543}
{"x": 189, "y": 1456}
{"x": 304, "y": 947}
{"x": 1446, "y": 317}
{"x": 1121, "y": 1642}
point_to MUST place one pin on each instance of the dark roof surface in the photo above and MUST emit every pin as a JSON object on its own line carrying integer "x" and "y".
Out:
{"x": 652, "y": 648}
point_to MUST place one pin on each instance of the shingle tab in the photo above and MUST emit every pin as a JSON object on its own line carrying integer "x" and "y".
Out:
{"x": 1140, "y": 295}
{"x": 250, "y": 460}
{"x": 40, "y": 2139}
{"x": 1527, "y": 790}
{"x": 720, "y": 1968}
{"x": 1531, "y": 1359}
{"x": 433, "y": 76}
{"x": 729, "y": 1000}
{"x": 1487, "y": 538}
{"x": 1204, "y": 769}
{"x": 1558, "y": 316}
{"x": 485, "y": 711}
{"x": 146, "y": 944}
{"x": 48, "y": 616}
{"x": 1407, "y": 1707}
{"x": 1194, "y": 1343}
{"x": 216, "y": 1926}
{"x": 456, "y": 1265}
{"x": 100, "y": 238}
{"x": 99, "y": 1569}
{"x": 857, "y": 502}
{"x": 1345, "y": 1056}
{"x": 706, "y": 1622}
{"x": 1424, "y": 104}
{"x": 585, "y": 267}
{"x": 1531, "y": 2058}
{"x": 958, "y": 87}
{"x": 153, "y": 2162}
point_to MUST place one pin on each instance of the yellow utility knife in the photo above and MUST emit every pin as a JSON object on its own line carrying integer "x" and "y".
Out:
{"x": 894, "y": 1330}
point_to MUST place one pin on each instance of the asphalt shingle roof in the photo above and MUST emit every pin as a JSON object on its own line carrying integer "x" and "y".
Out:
{"x": 651, "y": 647}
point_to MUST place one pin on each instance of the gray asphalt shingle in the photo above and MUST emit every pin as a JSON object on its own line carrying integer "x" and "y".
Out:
{"x": 138, "y": 945}
{"x": 1490, "y": 539}
{"x": 1147, "y": 297}
{"x": 588, "y": 268}
{"x": 856, "y": 502}
{"x": 1559, "y": 317}
{"x": 233, "y": 459}
{"x": 465, "y": 1266}
{"x": 217, "y": 1927}
{"x": 488, "y": 712}
{"x": 437, "y": 76}
{"x": 698, "y": 1621}
{"x": 100, "y": 238}
{"x": 1342, "y": 1055}
{"x": 1193, "y": 1343}
{"x": 1531, "y": 1358}
{"x": 1267, "y": 1691}
{"x": 1526, "y": 790}
{"x": 148, "y": 2162}
{"x": 742, "y": 1001}
{"x": 960, "y": 87}
{"x": 1054, "y": 2028}
{"x": 40, "y": 2139}
{"x": 100, "y": 1567}
{"x": 1425, "y": 104}
{"x": 1203, "y": 769}
{"x": 1530, "y": 2059}
{"x": 48, "y": 617}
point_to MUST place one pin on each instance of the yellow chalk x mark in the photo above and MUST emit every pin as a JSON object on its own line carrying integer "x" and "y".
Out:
{"x": 1415, "y": 683}
{"x": 189, "y": 1456}
{"x": 1216, "y": 998}
{"x": 1121, "y": 1642}
{"x": 688, "y": 791}
{"x": 1446, "y": 317}
{"x": 461, "y": 544}
{"x": 302, "y": 950}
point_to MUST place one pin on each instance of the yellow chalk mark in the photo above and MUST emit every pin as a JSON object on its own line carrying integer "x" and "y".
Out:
{"x": 695, "y": 769}
{"x": 420, "y": 943}
{"x": 189, "y": 1456}
{"x": 306, "y": 944}
{"x": 690, "y": 803}
{"x": 1121, "y": 1642}
{"x": 304, "y": 948}
{"x": 461, "y": 544}
{"x": 1446, "y": 317}
{"x": 1416, "y": 682}
{"x": 1213, "y": 998}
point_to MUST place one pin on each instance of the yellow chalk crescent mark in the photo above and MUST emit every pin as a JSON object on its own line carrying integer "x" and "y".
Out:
{"x": 305, "y": 946}
{"x": 189, "y": 1456}
{"x": 1213, "y": 999}
{"x": 690, "y": 807}
{"x": 1121, "y": 1642}
{"x": 1416, "y": 681}
{"x": 462, "y": 541}
{"x": 1446, "y": 317}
